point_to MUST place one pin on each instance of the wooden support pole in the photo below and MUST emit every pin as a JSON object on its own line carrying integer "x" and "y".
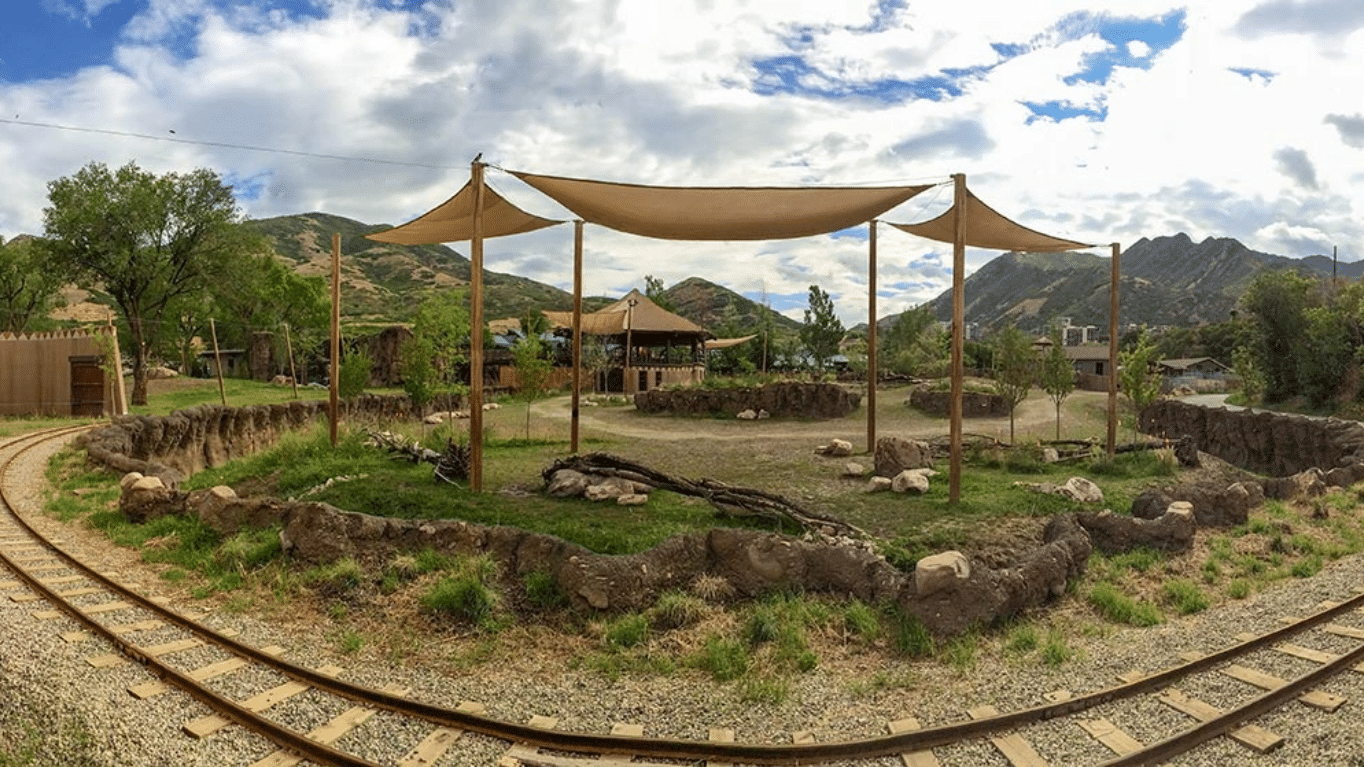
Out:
{"x": 958, "y": 334}
{"x": 289, "y": 349}
{"x": 476, "y": 335}
{"x": 871, "y": 338}
{"x": 120, "y": 387}
{"x": 577, "y": 331}
{"x": 217, "y": 360}
{"x": 1113, "y": 352}
{"x": 334, "y": 396}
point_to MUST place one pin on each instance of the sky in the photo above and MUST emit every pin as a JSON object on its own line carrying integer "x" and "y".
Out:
{"x": 1095, "y": 120}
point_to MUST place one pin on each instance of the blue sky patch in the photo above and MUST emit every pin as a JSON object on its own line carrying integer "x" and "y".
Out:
{"x": 1158, "y": 34}
{"x": 791, "y": 74}
{"x": 1255, "y": 74}
{"x": 1061, "y": 110}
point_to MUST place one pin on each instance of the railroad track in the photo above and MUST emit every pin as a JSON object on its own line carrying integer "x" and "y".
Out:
{"x": 58, "y": 585}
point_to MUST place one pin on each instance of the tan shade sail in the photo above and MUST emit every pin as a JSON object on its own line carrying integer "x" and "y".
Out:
{"x": 720, "y": 213}
{"x": 986, "y": 228}
{"x": 453, "y": 220}
{"x": 716, "y": 344}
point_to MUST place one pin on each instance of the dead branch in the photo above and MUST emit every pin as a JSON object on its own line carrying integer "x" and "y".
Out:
{"x": 727, "y": 499}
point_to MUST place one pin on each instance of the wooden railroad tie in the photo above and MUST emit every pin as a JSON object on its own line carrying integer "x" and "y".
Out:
{"x": 207, "y": 725}
{"x": 1013, "y": 746}
{"x": 202, "y": 674}
{"x": 1308, "y": 654}
{"x": 1253, "y": 736}
{"x": 330, "y": 732}
{"x": 924, "y": 758}
{"x": 434, "y": 745}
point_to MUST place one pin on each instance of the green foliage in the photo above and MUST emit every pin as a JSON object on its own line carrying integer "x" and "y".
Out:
{"x": 654, "y": 291}
{"x": 626, "y": 631}
{"x": 724, "y": 659}
{"x": 1057, "y": 375}
{"x": 1246, "y": 368}
{"x": 30, "y": 287}
{"x": 1325, "y": 352}
{"x": 147, "y": 240}
{"x": 1056, "y": 651}
{"x": 1138, "y": 376}
{"x": 543, "y": 590}
{"x": 353, "y": 374}
{"x": 675, "y": 610}
{"x": 463, "y": 597}
{"x": 822, "y": 331}
{"x": 532, "y": 372}
{"x": 861, "y": 621}
{"x": 913, "y": 345}
{"x": 1016, "y": 369}
{"x": 1184, "y": 596}
{"x": 909, "y": 636}
{"x": 1277, "y": 303}
{"x": 1117, "y": 607}
{"x": 432, "y": 358}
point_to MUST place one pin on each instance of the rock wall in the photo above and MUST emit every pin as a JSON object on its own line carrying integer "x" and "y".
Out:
{"x": 749, "y": 562}
{"x": 794, "y": 399}
{"x": 190, "y": 440}
{"x": 973, "y": 404}
{"x": 1272, "y": 444}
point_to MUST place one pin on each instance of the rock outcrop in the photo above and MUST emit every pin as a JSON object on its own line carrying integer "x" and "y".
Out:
{"x": 786, "y": 399}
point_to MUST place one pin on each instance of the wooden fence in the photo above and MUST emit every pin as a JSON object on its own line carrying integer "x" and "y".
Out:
{"x": 55, "y": 374}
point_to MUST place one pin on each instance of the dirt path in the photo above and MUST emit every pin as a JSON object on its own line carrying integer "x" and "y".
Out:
{"x": 1033, "y": 420}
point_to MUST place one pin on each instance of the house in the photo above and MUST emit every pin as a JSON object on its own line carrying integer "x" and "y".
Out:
{"x": 1193, "y": 367}
{"x": 647, "y": 346}
{"x": 60, "y": 373}
{"x": 1091, "y": 366}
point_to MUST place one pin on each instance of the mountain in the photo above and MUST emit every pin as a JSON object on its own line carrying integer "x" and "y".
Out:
{"x": 721, "y": 310}
{"x": 382, "y": 282}
{"x": 1164, "y": 281}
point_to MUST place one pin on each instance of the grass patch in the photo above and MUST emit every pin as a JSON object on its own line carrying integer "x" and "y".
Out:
{"x": 1117, "y": 607}
{"x": 1184, "y": 596}
{"x": 725, "y": 659}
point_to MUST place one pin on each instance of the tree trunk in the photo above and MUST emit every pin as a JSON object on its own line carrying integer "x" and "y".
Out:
{"x": 139, "y": 396}
{"x": 1058, "y": 420}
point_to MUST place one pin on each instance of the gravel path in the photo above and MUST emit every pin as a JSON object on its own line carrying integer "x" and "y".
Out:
{"x": 55, "y": 709}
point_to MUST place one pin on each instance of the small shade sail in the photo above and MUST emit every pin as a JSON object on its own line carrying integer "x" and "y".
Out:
{"x": 716, "y": 344}
{"x": 986, "y": 228}
{"x": 453, "y": 220}
{"x": 633, "y": 312}
{"x": 720, "y": 213}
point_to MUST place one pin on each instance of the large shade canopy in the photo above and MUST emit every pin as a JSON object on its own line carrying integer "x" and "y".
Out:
{"x": 453, "y": 220}
{"x": 720, "y": 213}
{"x": 986, "y": 228}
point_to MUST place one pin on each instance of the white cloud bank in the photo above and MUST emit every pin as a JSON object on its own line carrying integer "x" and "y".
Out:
{"x": 1233, "y": 119}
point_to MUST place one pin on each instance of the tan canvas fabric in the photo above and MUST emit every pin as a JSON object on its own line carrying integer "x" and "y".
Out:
{"x": 644, "y": 317}
{"x": 986, "y": 228}
{"x": 720, "y": 213}
{"x": 716, "y": 344}
{"x": 594, "y": 323}
{"x": 453, "y": 220}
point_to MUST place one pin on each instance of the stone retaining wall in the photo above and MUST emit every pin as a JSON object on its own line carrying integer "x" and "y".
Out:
{"x": 792, "y": 399}
{"x": 973, "y": 404}
{"x": 1273, "y": 444}
{"x": 196, "y": 438}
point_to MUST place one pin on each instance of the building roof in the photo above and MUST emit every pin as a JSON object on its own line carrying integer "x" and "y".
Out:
{"x": 643, "y": 316}
{"x": 1184, "y": 363}
{"x": 1087, "y": 353}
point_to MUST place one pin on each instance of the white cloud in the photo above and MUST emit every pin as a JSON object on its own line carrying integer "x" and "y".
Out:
{"x": 665, "y": 93}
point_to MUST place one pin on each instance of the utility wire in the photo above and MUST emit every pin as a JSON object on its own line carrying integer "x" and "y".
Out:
{"x": 223, "y": 145}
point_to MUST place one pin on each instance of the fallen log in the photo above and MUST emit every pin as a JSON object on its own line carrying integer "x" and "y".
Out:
{"x": 727, "y": 499}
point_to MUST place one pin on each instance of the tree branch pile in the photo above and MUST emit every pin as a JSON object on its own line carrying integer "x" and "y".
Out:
{"x": 727, "y": 499}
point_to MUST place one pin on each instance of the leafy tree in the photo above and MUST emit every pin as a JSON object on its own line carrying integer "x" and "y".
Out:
{"x": 1324, "y": 355}
{"x": 595, "y": 356}
{"x": 913, "y": 344}
{"x": 1137, "y": 374}
{"x": 29, "y": 286}
{"x": 654, "y": 290}
{"x": 532, "y": 372}
{"x": 1058, "y": 375}
{"x": 265, "y": 294}
{"x": 1246, "y": 369}
{"x": 822, "y": 331}
{"x": 146, "y": 239}
{"x": 1278, "y": 303}
{"x": 352, "y": 375}
{"x": 1016, "y": 369}
{"x": 432, "y": 358}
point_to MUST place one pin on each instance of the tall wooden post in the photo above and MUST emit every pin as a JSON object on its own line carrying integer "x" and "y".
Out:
{"x": 871, "y": 339}
{"x": 1115, "y": 269}
{"x": 120, "y": 392}
{"x": 217, "y": 360}
{"x": 334, "y": 391}
{"x": 577, "y": 331}
{"x": 289, "y": 349}
{"x": 476, "y": 336}
{"x": 958, "y": 333}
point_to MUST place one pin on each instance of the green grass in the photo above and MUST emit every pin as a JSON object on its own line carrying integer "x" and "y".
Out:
{"x": 166, "y": 398}
{"x": 1184, "y": 596}
{"x": 725, "y": 659}
{"x": 1117, "y": 607}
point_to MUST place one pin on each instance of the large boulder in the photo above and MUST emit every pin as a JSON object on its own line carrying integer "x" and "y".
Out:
{"x": 894, "y": 455}
{"x": 911, "y": 481}
{"x": 939, "y": 572}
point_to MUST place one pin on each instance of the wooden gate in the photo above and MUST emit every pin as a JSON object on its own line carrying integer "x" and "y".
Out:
{"x": 87, "y": 387}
